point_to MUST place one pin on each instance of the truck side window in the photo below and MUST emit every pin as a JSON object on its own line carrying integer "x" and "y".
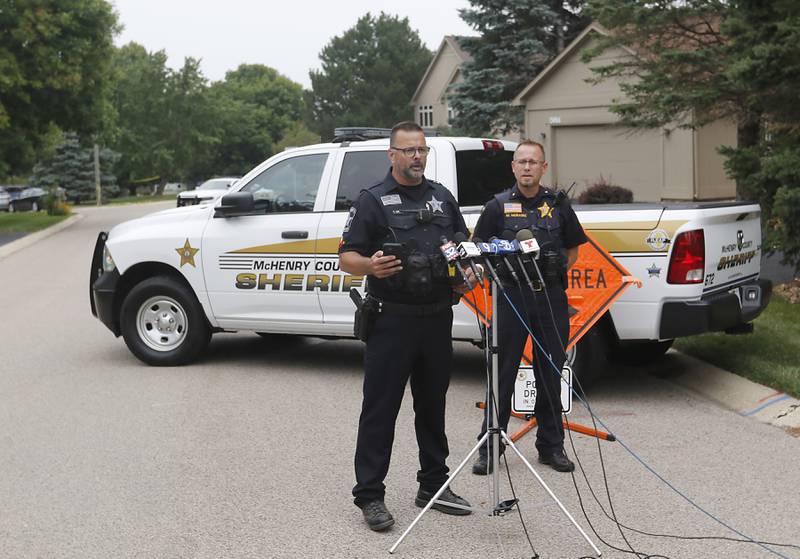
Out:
{"x": 360, "y": 170}
{"x": 290, "y": 185}
{"x": 482, "y": 174}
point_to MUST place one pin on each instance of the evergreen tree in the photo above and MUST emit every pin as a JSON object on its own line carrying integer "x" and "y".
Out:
{"x": 517, "y": 39}
{"x": 699, "y": 61}
{"x": 368, "y": 75}
{"x": 71, "y": 167}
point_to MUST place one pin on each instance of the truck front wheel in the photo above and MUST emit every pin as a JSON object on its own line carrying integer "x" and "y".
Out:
{"x": 163, "y": 323}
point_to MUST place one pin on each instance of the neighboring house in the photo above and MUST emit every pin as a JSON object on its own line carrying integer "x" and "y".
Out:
{"x": 430, "y": 98}
{"x": 584, "y": 140}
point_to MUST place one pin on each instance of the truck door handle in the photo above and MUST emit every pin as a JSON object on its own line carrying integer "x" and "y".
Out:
{"x": 294, "y": 235}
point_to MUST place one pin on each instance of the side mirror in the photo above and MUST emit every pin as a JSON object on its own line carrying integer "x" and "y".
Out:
{"x": 235, "y": 204}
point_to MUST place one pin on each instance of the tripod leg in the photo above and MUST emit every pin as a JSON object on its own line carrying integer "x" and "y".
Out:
{"x": 441, "y": 490}
{"x": 510, "y": 443}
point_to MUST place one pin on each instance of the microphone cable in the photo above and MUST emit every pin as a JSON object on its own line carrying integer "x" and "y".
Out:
{"x": 596, "y": 419}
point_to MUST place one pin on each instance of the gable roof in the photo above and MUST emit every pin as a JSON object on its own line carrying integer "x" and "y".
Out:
{"x": 452, "y": 42}
{"x": 576, "y": 43}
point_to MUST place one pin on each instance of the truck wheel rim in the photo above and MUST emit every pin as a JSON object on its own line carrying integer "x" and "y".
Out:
{"x": 161, "y": 323}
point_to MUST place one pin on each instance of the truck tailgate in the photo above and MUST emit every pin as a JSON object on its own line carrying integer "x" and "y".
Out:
{"x": 732, "y": 244}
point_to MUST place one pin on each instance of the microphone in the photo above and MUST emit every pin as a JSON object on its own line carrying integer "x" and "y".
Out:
{"x": 528, "y": 243}
{"x": 528, "y": 246}
{"x": 450, "y": 253}
{"x": 504, "y": 248}
{"x": 468, "y": 251}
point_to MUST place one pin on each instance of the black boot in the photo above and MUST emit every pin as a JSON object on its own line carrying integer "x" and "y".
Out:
{"x": 376, "y": 516}
{"x": 557, "y": 460}
{"x": 481, "y": 467}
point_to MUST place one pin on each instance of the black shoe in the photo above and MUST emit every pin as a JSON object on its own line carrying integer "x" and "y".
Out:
{"x": 448, "y": 496}
{"x": 376, "y": 516}
{"x": 557, "y": 460}
{"x": 481, "y": 467}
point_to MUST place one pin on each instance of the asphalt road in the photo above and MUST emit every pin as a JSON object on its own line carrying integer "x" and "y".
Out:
{"x": 249, "y": 453}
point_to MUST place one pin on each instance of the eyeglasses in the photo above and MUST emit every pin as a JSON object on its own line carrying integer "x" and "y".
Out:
{"x": 411, "y": 152}
{"x": 526, "y": 162}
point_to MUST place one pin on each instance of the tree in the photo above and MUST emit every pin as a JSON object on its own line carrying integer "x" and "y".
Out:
{"x": 253, "y": 108}
{"x": 139, "y": 99}
{"x": 368, "y": 75}
{"x": 698, "y": 61}
{"x": 518, "y": 38}
{"x": 296, "y": 136}
{"x": 54, "y": 63}
{"x": 71, "y": 167}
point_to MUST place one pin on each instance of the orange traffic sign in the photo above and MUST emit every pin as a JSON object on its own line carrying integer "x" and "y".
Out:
{"x": 594, "y": 282}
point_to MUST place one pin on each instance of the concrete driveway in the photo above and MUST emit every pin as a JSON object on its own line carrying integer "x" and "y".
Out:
{"x": 249, "y": 452}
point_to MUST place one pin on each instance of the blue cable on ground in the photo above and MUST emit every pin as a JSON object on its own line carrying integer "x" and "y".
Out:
{"x": 631, "y": 451}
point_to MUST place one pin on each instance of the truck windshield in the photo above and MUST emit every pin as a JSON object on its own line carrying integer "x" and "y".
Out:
{"x": 482, "y": 174}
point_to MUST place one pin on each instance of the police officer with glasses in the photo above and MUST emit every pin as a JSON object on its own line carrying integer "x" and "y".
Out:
{"x": 548, "y": 215}
{"x": 406, "y": 320}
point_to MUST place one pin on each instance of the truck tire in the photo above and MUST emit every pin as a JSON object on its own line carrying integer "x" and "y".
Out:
{"x": 641, "y": 353}
{"x": 163, "y": 323}
{"x": 588, "y": 358}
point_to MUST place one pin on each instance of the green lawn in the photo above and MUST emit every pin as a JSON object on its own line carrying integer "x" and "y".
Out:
{"x": 27, "y": 222}
{"x": 770, "y": 355}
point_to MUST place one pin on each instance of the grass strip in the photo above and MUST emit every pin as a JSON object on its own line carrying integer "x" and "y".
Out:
{"x": 27, "y": 222}
{"x": 769, "y": 356}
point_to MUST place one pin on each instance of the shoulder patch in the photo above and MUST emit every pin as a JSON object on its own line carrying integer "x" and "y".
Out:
{"x": 349, "y": 221}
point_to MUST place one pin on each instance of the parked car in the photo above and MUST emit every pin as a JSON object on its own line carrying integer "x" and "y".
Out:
{"x": 207, "y": 192}
{"x": 5, "y": 199}
{"x": 173, "y": 188}
{"x": 24, "y": 198}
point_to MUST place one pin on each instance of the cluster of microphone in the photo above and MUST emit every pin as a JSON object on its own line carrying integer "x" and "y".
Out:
{"x": 509, "y": 249}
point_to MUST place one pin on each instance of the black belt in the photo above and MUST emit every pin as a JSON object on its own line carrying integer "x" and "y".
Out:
{"x": 429, "y": 309}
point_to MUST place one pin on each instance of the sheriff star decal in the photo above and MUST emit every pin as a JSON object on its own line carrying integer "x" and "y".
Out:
{"x": 435, "y": 205}
{"x": 187, "y": 253}
{"x": 653, "y": 271}
{"x": 545, "y": 210}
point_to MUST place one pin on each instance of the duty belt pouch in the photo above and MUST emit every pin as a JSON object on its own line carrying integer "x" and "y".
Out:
{"x": 419, "y": 276}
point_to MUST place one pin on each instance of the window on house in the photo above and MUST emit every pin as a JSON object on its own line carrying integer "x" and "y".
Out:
{"x": 426, "y": 115}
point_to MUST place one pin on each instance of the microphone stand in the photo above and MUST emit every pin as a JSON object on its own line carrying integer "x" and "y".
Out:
{"x": 494, "y": 434}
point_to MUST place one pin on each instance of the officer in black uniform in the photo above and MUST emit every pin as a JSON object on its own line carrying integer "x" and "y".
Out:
{"x": 410, "y": 294}
{"x": 529, "y": 205}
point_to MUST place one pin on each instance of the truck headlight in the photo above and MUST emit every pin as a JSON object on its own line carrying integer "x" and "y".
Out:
{"x": 108, "y": 261}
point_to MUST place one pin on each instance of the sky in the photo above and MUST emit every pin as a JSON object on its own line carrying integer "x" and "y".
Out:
{"x": 287, "y": 36}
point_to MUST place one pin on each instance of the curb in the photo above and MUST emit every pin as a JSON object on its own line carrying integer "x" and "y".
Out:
{"x": 32, "y": 238}
{"x": 743, "y": 396}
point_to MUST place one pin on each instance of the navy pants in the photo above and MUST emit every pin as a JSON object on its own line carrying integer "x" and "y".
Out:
{"x": 402, "y": 347}
{"x": 511, "y": 337}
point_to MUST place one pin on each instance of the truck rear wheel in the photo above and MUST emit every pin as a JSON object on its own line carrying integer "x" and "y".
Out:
{"x": 588, "y": 358}
{"x": 163, "y": 323}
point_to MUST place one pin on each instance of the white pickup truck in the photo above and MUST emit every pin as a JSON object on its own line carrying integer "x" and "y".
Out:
{"x": 264, "y": 258}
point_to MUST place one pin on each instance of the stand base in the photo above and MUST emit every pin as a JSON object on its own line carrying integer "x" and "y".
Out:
{"x": 530, "y": 423}
{"x": 502, "y": 506}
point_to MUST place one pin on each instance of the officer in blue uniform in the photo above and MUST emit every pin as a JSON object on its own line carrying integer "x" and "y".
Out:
{"x": 411, "y": 294}
{"x": 529, "y": 205}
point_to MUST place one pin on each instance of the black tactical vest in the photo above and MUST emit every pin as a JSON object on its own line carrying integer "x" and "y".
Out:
{"x": 543, "y": 219}
{"x": 419, "y": 225}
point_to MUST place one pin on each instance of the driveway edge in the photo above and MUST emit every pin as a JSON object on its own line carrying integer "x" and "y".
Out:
{"x": 736, "y": 393}
{"x": 32, "y": 238}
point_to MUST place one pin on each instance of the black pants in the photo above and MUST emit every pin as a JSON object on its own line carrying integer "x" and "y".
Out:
{"x": 400, "y": 347}
{"x": 511, "y": 337}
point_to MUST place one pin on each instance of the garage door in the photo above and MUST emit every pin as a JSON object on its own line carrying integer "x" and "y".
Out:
{"x": 624, "y": 157}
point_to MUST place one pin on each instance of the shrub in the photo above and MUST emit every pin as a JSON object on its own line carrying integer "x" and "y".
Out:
{"x": 601, "y": 192}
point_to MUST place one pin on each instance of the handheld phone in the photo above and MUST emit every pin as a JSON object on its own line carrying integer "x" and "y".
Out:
{"x": 398, "y": 250}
